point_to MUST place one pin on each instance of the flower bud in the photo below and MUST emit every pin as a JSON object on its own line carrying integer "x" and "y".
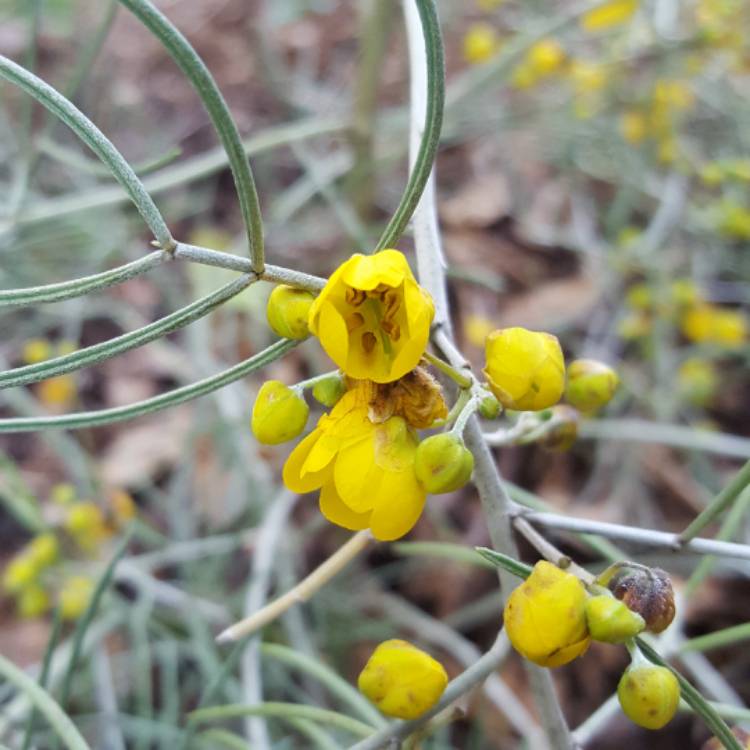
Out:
{"x": 591, "y": 385}
{"x": 43, "y": 549}
{"x": 402, "y": 680}
{"x": 490, "y": 407}
{"x": 545, "y": 617}
{"x": 330, "y": 390}
{"x": 279, "y": 414}
{"x": 36, "y": 350}
{"x": 647, "y": 591}
{"x": 75, "y": 596}
{"x": 525, "y": 369}
{"x": 563, "y": 429}
{"x": 287, "y": 311}
{"x": 649, "y": 695}
{"x": 32, "y": 602}
{"x": 443, "y": 463}
{"x": 19, "y": 573}
{"x": 610, "y": 621}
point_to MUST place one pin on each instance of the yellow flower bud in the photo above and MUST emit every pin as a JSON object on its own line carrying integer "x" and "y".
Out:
{"x": 639, "y": 297}
{"x": 591, "y": 385}
{"x": 402, "y": 680}
{"x": 63, "y": 493}
{"x": 545, "y": 617}
{"x": 609, "y": 15}
{"x": 279, "y": 413}
{"x": 525, "y": 369}
{"x": 329, "y": 391}
{"x": 649, "y": 695}
{"x": 545, "y": 57}
{"x": 32, "y": 602}
{"x": 647, "y": 591}
{"x": 19, "y": 573}
{"x": 123, "y": 507}
{"x": 84, "y": 519}
{"x": 480, "y": 43}
{"x": 443, "y": 463}
{"x": 712, "y": 174}
{"x": 490, "y": 407}
{"x": 634, "y": 326}
{"x": 43, "y": 550}
{"x": 633, "y": 127}
{"x": 706, "y": 323}
{"x": 697, "y": 381}
{"x": 287, "y": 311}
{"x": 75, "y": 596}
{"x": 36, "y": 350}
{"x": 684, "y": 292}
{"x": 57, "y": 391}
{"x": 610, "y": 621}
{"x": 730, "y": 328}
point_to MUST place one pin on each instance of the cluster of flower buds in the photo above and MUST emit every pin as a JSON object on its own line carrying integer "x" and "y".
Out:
{"x": 37, "y": 575}
{"x": 551, "y": 619}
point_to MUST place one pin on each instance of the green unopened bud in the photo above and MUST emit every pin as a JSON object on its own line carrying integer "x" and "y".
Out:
{"x": 443, "y": 463}
{"x": 279, "y": 413}
{"x": 287, "y": 311}
{"x": 590, "y": 385}
{"x": 610, "y": 621}
{"x": 649, "y": 695}
{"x": 329, "y": 390}
{"x": 490, "y": 407}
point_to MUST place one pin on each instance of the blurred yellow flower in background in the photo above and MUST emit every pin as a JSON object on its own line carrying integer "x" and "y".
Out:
{"x": 608, "y": 15}
{"x": 480, "y": 43}
{"x": 74, "y": 597}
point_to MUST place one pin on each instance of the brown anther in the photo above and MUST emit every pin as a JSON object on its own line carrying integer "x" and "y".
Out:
{"x": 355, "y": 297}
{"x": 368, "y": 341}
{"x": 354, "y": 321}
{"x": 392, "y": 329}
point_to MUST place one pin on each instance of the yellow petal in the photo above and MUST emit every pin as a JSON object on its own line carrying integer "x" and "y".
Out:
{"x": 334, "y": 337}
{"x": 333, "y": 508}
{"x": 366, "y": 272}
{"x": 399, "y": 502}
{"x": 293, "y": 476}
{"x": 356, "y": 476}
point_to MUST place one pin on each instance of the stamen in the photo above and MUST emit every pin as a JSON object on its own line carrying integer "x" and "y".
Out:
{"x": 368, "y": 341}
{"x": 354, "y": 321}
{"x": 355, "y": 297}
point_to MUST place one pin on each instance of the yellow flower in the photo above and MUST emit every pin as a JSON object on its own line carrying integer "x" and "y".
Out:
{"x": 525, "y": 369}
{"x": 684, "y": 292}
{"x": 707, "y": 323}
{"x": 19, "y": 573}
{"x": 591, "y": 385}
{"x": 74, "y": 597}
{"x": 85, "y": 523}
{"x": 36, "y": 350}
{"x": 402, "y": 680}
{"x": 57, "y": 391}
{"x": 608, "y": 15}
{"x": 477, "y": 328}
{"x": 123, "y": 507}
{"x": 712, "y": 174}
{"x": 43, "y": 549}
{"x": 287, "y": 311}
{"x": 364, "y": 470}
{"x": 649, "y": 695}
{"x": 545, "y": 617}
{"x": 480, "y": 43}
{"x": 633, "y": 126}
{"x": 697, "y": 381}
{"x": 63, "y": 493}
{"x": 545, "y": 57}
{"x": 32, "y": 602}
{"x": 279, "y": 413}
{"x": 733, "y": 220}
{"x": 372, "y": 317}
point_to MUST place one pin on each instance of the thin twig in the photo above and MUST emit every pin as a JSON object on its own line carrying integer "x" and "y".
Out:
{"x": 301, "y": 592}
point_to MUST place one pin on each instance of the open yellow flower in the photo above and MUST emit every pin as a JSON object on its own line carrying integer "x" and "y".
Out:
{"x": 545, "y": 617}
{"x": 364, "y": 469}
{"x": 372, "y": 317}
